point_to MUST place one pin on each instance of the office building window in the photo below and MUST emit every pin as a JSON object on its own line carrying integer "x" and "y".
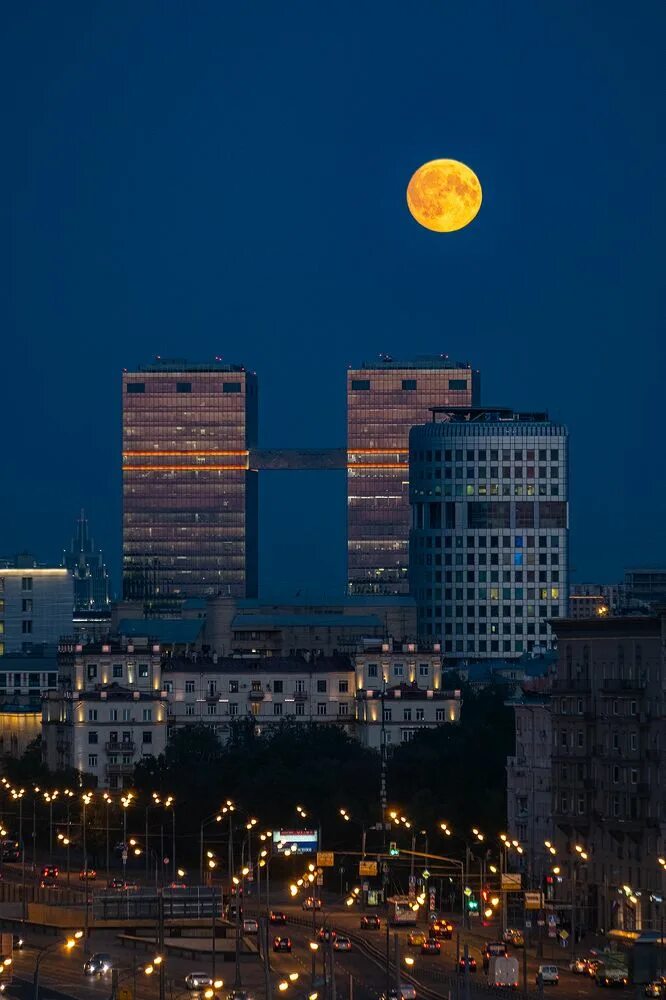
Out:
{"x": 277, "y": 708}
{"x": 147, "y": 736}
{"x": 183, "y": 387}
{"x": 189, "y": 687}
{"x": 321, "y": 708}
{"x": 278, "y": 687}
{"x": 117, "y": 671}
{"x": 93, "y": 737}
{"x": 26, "y": 627}
{"x": 92, "y": 715}
{"x": 360, "y": 385}
{"x": 92, "y": 760}
{"x": 189, "y": 710}
{"x": 231, "y": 387}
{"x": 321, "y": 687}
{"x": 136, "y": 386}
{"x": 300, "y": 708}
{"x": 147, "y": 715}
{"x": 409, "y": 384}
{"x": 233, "y": 708}
{"x": 26, "y": 583}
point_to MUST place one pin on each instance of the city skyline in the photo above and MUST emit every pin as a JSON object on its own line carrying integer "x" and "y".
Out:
{"x": 135, "y": 229}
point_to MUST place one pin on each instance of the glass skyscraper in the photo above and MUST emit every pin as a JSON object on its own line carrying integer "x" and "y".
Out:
{"x": 489, "y": 541}
{"x": 189, "y": 496}
{"x": 385, "y": 400}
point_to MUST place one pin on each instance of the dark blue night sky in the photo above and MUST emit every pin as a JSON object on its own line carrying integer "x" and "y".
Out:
{"x": 192, "y": 179}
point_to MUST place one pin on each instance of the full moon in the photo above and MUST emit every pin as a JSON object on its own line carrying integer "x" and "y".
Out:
{"x": 444, "y": 195}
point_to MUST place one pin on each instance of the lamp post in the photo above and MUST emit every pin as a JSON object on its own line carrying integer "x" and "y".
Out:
{"x": 108, "y": 802}
{"x": 580, "y": 857}
{"x": 125, "y": 803}
{"x": 70, "y": 943}
{"x": 85, "y": 800}
{"x": 215, "y": 818}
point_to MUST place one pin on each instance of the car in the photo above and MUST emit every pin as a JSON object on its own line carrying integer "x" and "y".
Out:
{"x": 516, "y": 938}
{"x": 17, "y": 942}
{"x": 198, "y": 981}
{"x": 654, "y": 989}
{"x": 327, "y": 934}
{"x": 415, "y": 939}
{"x": 90, "y": 875}
{"x": 98, "y": 964}
{"x": 277, "y": 917}
{"x": 118, "y": 884}
{"x": 548, "y": 975}
{"x": 312, "y": 903}
{"x": 282, "y": 944}
{"x": 250, "y": 926}
{"x": 50, "y": 871}
{"x": 578, "y": 966}
{"x": 441, "y": 929}
{"x": 342, "y": 943}
{"x": 611, "y": 976}
{"x": 370, "y": 922}
{"x": 592, "y": 964}
{"x": 471, "y": 963}
{"x": 431, "y": 946}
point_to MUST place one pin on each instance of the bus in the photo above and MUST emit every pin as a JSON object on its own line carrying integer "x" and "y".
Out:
{"x": 402, "y": 911}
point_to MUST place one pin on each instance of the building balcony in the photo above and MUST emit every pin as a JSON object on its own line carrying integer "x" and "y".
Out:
{"x": 120, "y": 768}
{"x": 300, "y": 696}
{"x": 564, "y": 685}
{"x": 256, "y": 695}
{"x": 118, "y": 746}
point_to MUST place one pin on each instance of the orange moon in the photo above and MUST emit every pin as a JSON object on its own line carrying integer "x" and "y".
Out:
{"x": 444, "y": 195}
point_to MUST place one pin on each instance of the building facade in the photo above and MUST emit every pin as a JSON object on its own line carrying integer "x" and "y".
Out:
{"x": 384, "y": 400}
{"x": 132, "y": 663}
{"x": 189, "y": 497}
{"x": 589, "y": 600}
{"x": 35, "y": 607}
{"x": 104, "y": 732}
{"x": 223, "y": 691}
{"x": 608, "y": 773}
{"x": 89, "y": 572}
{"x": 397, "y": 714}
{"x": 529, "y": 796}
{"x": 490, "y": 527}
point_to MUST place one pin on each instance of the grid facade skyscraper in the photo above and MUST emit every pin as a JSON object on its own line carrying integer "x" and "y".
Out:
{"x": 190, "y": 517}
{"x": 490, "y": 530}
{"x": 385, "y": 400}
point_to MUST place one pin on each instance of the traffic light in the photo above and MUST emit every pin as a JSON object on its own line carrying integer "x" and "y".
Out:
{"x": 393, "y": 849}
{"x": 472, "y": 904}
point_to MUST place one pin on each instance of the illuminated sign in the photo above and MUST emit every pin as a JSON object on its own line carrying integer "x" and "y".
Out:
{"x": 295, "y": 841}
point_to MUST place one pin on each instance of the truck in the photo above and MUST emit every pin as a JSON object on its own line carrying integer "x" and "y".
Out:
{"x": 503, "y": 971}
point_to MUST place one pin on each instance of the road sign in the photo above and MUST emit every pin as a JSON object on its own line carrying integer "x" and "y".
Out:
{"x": 365, "y": 886}
{"x": 426, "y": 874}
{"x": 533, "y": 900}
{"x": 124, "y": 855}
{"x": 325, "y": 859}
{"x": 367, "y": 868}
{"x": 511, "y": 881}
{"x": 528, "y": 922}
{"x": 431, "y": 899}
{"x": 166, "y": 861}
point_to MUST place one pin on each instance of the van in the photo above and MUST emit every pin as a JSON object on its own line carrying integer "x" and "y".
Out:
{"x": 503, "y": 971}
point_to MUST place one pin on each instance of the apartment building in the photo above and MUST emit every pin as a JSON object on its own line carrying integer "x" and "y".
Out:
{"x": 220, "y": 691}
{"x": 397, "y": 714}
{"x": 103, "y": 732}
{"x": 608, "y": 777}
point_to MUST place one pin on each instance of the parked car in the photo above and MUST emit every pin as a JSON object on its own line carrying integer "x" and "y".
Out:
{"x": 198, "y": 981}
{"x": 282, "y": 944}
{"x": 98, "y": 964}
{"x": 431, "y": 946}
{"x": 342, "y": 943}
{"x": 471, "y": 963}
{"x": 312, "y": 903}
{"x": 370, "y": 922}
{"x": 250, "y": 926}
{"x": 277, "y": 917}
{"x": 548, "y": 975}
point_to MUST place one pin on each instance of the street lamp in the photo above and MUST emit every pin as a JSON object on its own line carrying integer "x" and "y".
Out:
{"x": 68, "y": 944}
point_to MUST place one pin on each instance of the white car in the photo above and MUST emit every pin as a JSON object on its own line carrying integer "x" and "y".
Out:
{"x": 250, "y": 926}
{"x": 548, "y": 974}
{"x": 342, "y": 943}
{"x": 198, "y": 981}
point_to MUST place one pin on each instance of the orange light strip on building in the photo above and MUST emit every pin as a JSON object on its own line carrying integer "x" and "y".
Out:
{"x": 185, "y": 468}
{"x": 175, "y": 454}
{"x": 376, "y": 465}
{"x": 378, "y": 451}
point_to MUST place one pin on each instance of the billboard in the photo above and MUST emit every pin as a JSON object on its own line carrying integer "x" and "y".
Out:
{"x": 295, "y": 841}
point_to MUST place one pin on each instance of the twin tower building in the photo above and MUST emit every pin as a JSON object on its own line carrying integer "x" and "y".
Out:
{"x": 463, "y": 506}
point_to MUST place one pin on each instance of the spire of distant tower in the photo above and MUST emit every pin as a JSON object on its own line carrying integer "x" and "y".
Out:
{"x": 91, "y": 579}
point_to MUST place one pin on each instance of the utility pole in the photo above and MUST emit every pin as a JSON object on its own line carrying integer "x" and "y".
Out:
{"x": 263, "y": 934}
{"x": 160, "y": 943}
{"x": 213, "y": 928}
